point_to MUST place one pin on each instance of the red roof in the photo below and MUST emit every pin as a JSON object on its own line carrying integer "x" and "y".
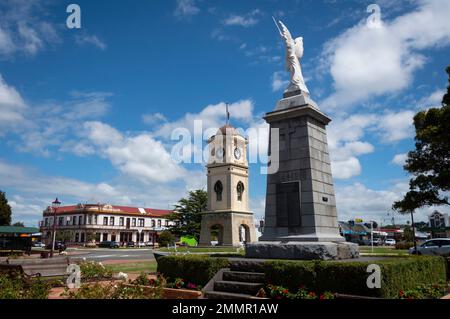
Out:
{"x": 125, "y": 209}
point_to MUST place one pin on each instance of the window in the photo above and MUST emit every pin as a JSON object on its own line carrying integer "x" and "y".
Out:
{"x": 218, "y": 188}
{"x": 167, "y": 223}
{"x": 46, "y": 222}
{"x": 133, "y": 222}
{"x": 80, "y": 220}
{"x": 95, "y": 220}
{"x": 60, "y": 221}
{"x": 111, "y": 221}
{"x": 141, "y": 222}
{"x": 89, "y": 219}
{"x": 121, "y": 221}
{"x": 240, "y": 190}
{"x": 159, "y": 222}
{"x": 153, "y": 223}
{"x": 105, "y": 221}
{"x": 74, "y": 220}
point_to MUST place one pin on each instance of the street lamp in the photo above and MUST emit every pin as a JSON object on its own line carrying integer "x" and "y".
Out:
{"x": 55, "y": 204}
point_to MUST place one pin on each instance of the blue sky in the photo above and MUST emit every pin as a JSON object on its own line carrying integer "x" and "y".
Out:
{"x": 87, "y": 114}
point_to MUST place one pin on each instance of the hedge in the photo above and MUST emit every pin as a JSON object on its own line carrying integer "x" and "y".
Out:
{"x": 197, "y": 269}
{"x": 350, "y": 277}
{"x": 399, "y": 273}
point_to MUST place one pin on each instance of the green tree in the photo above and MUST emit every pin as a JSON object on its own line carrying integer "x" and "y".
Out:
{"x": 408, "y": 234}
{"x": 19, "y": 224}
{"x": 166, "y": 238}
{"x": 5, "y": 210}
{"x": 187, "y": 214}
{"x": 429, "y": 163}
{"x": 64, "y": 235}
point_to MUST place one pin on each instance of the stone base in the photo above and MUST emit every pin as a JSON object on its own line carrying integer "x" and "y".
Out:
{"x": 302, "y": 250}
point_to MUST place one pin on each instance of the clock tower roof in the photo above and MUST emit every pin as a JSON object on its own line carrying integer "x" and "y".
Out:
{"x": 224, "y": 130}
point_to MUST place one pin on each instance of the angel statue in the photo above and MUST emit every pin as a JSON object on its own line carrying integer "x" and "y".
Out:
{"x": 294, "y": 52}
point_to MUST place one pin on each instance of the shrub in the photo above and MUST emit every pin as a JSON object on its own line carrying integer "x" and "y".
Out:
{"x": 114, "y": 291}
{"x": 16, "y": 287}
{"x": 404, "y": 245}
{"x": 196, "y": 269}
{"x": 350, "y": 277}
{"x": 166, "y": 238}
{"x": 91, "y": 270}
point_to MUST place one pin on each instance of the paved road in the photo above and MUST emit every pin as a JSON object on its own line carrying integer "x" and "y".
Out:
{"x": 103, "y": 254}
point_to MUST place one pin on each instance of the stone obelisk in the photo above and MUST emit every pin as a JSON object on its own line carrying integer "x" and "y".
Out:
{"x": 300, "y": 215}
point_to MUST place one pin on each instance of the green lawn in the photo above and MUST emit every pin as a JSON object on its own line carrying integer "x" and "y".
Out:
{"x": 382, "y": 250}
{"x": 202, "y": 249}
{"x": 134, "y": 267}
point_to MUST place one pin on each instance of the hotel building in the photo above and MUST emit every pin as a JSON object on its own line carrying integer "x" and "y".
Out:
{"x": 105, "y": 222}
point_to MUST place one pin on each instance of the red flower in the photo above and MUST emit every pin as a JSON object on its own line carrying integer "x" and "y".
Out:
{"x": 401, "y": 293}
{"x": 322, "y": 296}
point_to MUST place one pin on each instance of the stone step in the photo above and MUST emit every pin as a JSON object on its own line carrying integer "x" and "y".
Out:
{"x": 227, "y": 295}
{"x": 247, "y": 265}
{"x": 250, "y": 288}
{"x": 243, "y": 276}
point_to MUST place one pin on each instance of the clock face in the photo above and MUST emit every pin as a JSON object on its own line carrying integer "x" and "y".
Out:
{"x": 220, "y": 153}
{"x": 237, "y": 153}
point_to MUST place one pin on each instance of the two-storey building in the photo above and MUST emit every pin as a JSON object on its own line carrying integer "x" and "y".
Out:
{"x": 104, "y": 222}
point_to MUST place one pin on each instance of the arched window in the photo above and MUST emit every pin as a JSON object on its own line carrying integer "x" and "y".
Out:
{"x": 218, "y": 188}
{"x": 240, "y": 190}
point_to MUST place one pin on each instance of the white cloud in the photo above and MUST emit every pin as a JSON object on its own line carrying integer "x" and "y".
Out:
{"x": 12, "y": 107}
{"x": 359, "y": 201}
{"x": 186, "y": 8}
{"x": 22, "y": 29}
{"x": 396, "y": 126}
{"x": 399, "y": 159}
{"x": 29, "y": 192}
{"x": 368, "y": 62}
{"x": 279, "y": 81}
{"x": 155, "y": 118}
{"x": 346, "y": 134}
{"x": 90, "y": 39}
{"x": 212, "y": 116}
{"x": 246, "y": 20}
{"x": 51, "y": 125}
{"x": 432, "y": 100}
{"x": 141, "y": 156}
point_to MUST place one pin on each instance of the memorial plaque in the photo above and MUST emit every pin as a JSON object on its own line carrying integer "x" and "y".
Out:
{"x": 288, "y": 204}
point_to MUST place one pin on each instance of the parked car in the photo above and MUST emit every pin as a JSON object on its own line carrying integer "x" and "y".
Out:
{"x": 38, "y": 244}
{"x": 377, "y": 242}
{"x": 141, "y": 244}
{"x": 149, "y": 244}
{"x": 59, "y": 245}
{"x": 108, "y": 244}
{"x": 437, "y": 246}
{"x": 131, "y": 244}
{"x": 390, "y": 242}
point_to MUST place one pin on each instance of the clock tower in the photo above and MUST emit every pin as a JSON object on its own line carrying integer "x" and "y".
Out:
{"x": 228, "y": 219}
